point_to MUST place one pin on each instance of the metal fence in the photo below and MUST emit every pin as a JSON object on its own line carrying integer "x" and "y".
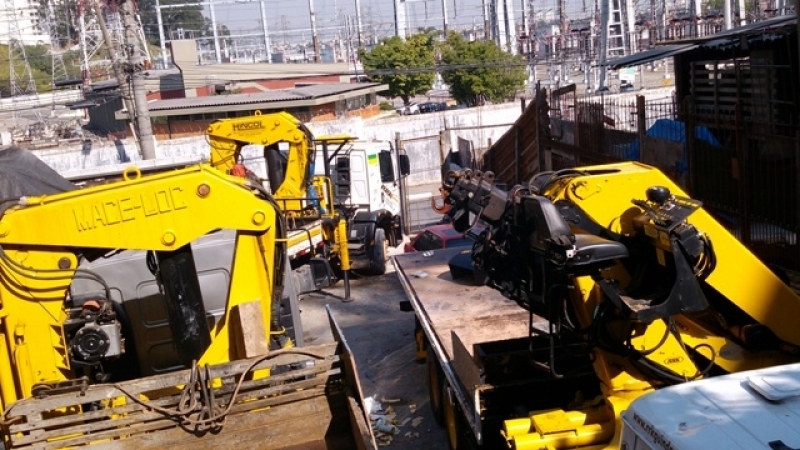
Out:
{"x": 747, "y": 175}
{"x": 742, "y": 160}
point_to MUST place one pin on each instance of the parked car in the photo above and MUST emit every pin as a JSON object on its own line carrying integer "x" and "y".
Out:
{"x": 437, "y": 237}
{"x": 430, "y": 107}
{"x": 412, "y": 108}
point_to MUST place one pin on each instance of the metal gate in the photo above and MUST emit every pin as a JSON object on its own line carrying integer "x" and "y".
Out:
{"x": 749, "y": 179}
{"x": 416, "y": 204}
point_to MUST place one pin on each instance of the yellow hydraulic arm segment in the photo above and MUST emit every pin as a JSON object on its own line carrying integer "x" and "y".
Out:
{"x": 40, "y": 238}
{"x": 630, "y": 273}
{"x": 298, "y": 188}
{"x": 228, "y": 136}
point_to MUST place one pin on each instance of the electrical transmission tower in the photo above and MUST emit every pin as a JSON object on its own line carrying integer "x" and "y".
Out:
{"x": 58, "y": 69}
{"x": 103, "y": 26}
{"x": 20, "y": 75}
{"x": 92, "y": 41}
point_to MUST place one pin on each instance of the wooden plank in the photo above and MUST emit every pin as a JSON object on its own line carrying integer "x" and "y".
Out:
{"x": 248, "y": 389}
{"x": 103, "y": 392}
{"x": 286, "y": 388}
{"x": 297, "y": 425}
{"x": 138, "y": 429}
{"x": 359, "y": 418}
{"x": 362, "y": 431}
{"x": 144, "y": 421}
{"x": 464, "y": 365}
{"x": 249, "y": 335}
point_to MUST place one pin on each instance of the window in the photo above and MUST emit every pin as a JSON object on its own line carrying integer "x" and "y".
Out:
{"x": 387, "y": 169}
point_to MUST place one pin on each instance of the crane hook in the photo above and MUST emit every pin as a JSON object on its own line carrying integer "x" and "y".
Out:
{"x": 445, "y": 208}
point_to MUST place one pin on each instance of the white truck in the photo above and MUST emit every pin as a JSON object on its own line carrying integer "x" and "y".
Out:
{"x": 758, "y": 409}
{"x": 367, "y": 180}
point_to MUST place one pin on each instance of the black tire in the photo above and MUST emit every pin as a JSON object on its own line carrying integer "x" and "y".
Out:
{"x": 435, "y": 388}
{"x": 377, "y": 256}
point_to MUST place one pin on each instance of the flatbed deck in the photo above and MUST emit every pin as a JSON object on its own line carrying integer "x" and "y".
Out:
{"x": 457, "y": 306}
{"x": 479, "y": 337}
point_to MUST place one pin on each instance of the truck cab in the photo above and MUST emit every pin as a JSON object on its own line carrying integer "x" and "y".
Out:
{"x": 745, "y": 410}
{"x": 367, "y": 177}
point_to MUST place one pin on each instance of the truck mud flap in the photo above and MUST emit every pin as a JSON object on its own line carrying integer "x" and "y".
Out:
{"x": 312, "y": 399}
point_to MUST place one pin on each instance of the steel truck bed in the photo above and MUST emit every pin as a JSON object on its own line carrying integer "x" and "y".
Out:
{"x": 312, "y": 400}
{"x": 479, "y": 338}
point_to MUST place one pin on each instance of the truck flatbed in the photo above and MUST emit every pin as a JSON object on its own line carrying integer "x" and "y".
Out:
{"x": 457, "y": 307}
{"x": 479, "y": 338}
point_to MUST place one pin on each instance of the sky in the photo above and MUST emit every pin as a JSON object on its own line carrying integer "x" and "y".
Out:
{"x": 291, "y": 18}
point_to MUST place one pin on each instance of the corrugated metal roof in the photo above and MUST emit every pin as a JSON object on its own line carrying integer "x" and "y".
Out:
{"x": 714, "y": 40}
{"x": 650, "y": 55}
{"x": 283, "y": 95}
{"x": 323, "y": 89}
{"x": 222, "y": 100}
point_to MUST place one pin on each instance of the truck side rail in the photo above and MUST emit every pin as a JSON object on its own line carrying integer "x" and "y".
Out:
{"x": 470, "y": 408}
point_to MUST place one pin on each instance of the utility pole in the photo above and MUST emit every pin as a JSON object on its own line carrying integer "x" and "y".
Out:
{"x": 603, "y": 56}
{"x": 284, "y": 30}
{"x": 562, "y": 16}
{"x": 20, "y": 75}
{"x": 214, "y": 31}
{"x": 444, "y": 16}
{"x": 267, "y": 43}
{"x": 111, "y": 48}
{"x": 314, "y": 37}
{"x": 487, "y": 27}
{"x": 140, "y": 116}
{"x": 532, "y": 42}
{"x": 400, "y": 25}
{"x": 358, "y": 23}
{"x": 161, "y": 36}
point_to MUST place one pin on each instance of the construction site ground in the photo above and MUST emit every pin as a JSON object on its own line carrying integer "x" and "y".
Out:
{"x": 382, "y": 339}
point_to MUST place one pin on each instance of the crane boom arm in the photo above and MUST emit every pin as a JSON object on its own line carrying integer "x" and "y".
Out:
{"x": 228, "y": 136}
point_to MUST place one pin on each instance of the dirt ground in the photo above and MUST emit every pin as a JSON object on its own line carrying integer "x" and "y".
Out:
{"x": 382, "y": 340}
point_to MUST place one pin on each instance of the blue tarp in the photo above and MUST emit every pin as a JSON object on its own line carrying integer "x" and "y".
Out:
{"x": 673, "y": 130}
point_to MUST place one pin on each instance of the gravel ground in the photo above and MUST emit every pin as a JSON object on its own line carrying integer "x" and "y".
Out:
{"x": 382, "y": 340}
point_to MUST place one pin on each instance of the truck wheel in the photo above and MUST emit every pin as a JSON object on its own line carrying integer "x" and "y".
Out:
{"x": 435, "y": 377}
{"x": 453, "y": 422}
{"x": 377, "y": 257}
{"x": 421, "y": 344}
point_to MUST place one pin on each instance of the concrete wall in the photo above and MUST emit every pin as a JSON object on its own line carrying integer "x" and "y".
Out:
{"x": 424, "y": 150}
{"x": 41, "y": 100}
{"x": 420, "y": 133}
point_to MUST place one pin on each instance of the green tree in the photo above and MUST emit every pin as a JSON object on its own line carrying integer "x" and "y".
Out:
{"x": 395, "y": 54}
{"x": 487, "y": 73}
{"x": 39, "y": 58}
{"x": 42, "y": 78}
{"x": 188, "y": 18}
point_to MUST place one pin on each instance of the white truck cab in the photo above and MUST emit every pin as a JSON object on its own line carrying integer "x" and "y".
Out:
{"x": 758, "y": 409}
{"x": 366, "y": 178}
{"x": 365, "y": 175}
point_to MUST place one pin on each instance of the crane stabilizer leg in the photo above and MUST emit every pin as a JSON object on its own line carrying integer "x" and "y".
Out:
{"x": 344, "y": 255}
{"x": 177, "y": 278}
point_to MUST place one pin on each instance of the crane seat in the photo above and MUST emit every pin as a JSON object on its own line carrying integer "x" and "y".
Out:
{"x": 576, "y": 254}
{"x": 592, "y": 250}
